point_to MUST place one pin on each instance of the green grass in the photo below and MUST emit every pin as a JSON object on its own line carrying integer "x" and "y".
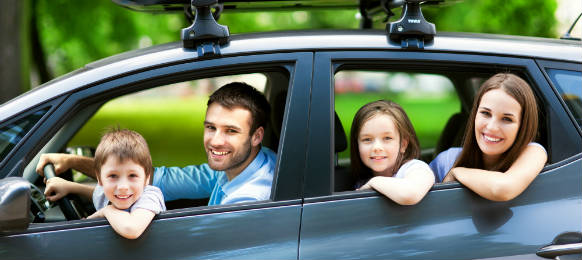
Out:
{"x": 173, "y": 127}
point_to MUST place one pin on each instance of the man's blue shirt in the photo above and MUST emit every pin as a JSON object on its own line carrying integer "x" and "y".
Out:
{"x": 200, "y": 181}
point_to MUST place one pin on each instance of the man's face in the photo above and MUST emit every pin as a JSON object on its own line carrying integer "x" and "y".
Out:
{"x": 227, "y": 138}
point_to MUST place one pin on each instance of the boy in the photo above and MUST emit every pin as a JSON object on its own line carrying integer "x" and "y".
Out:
{"x": 123, "y": 167}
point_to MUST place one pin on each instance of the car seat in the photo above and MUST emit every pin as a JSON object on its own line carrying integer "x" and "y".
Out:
{"x": 452, "y": 134}
{"x": 343, "y": 179}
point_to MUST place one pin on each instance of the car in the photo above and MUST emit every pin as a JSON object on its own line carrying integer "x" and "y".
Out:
{"x": 314, "y": 81}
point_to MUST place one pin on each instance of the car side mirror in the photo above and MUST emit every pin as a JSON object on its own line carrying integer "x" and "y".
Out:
{"x": 14, "y": 204}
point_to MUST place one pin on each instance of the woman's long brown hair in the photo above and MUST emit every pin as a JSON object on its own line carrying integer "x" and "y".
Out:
{"x": 471, "y": 155}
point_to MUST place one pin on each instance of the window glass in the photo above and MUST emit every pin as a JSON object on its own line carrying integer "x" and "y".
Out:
{"x": 569, "y": 84}
{"x": 12, "y": 133}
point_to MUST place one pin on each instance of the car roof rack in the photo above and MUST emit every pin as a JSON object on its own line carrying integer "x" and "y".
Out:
{"x": 205, "y": 34}
{"x": 410, "y": 31}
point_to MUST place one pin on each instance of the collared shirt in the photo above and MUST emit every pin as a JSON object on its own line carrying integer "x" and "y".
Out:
{"x": 200, "y": 181}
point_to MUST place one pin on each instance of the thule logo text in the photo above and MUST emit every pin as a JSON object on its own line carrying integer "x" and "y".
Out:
{"x": 413, "y": 20}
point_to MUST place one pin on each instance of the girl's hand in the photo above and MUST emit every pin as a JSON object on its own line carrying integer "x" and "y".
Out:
{"x": 367, "y": 186}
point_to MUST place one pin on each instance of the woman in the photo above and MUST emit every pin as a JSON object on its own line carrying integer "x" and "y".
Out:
{"x": 384, "y": 148}
{"x": 499, "y": 159}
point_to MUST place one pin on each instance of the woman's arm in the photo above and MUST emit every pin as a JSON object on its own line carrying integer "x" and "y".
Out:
{"x": 504, "y": 186}
{"x": 405, "y": 191}
{"x": 128, "y": 225}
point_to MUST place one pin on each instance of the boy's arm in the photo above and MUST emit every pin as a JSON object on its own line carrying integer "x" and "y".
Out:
{"x": 128, "y": 225}
{"x": 57, "y": 188}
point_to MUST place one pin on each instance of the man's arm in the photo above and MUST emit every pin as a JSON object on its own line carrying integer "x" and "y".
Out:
{"x": 63, "y": 162}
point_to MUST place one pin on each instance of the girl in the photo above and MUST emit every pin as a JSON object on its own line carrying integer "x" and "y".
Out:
{"x": 498, "y": 160}
{"x": 383, "y": 151}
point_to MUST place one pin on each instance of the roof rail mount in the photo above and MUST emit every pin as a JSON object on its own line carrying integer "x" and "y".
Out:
{"x": 205, "y": 33}
{"x": 412, "y": 30}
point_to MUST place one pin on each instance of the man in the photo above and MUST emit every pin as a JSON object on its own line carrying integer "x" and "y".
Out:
{"x": 238, "y": 168}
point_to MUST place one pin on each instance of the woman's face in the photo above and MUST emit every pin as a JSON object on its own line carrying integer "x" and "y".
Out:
{"x": 379, "y": 144}
{"x": 496, "y": 124}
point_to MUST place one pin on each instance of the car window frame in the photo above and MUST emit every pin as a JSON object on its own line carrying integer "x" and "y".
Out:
{"x": 286, "y": 189}
{"x": 320, "y": 169}
{"x": 546, "y": 65}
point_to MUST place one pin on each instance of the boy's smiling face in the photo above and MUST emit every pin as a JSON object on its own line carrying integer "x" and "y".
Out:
{"x": 123, "y": 181}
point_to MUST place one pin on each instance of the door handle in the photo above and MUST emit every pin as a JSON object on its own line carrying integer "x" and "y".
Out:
{"x": 553, "y": 251}
{"x": 569, "y": 243}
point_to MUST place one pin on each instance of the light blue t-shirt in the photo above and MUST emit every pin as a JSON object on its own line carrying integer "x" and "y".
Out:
{"x": 443, "y": 163}
{"x": 150, "y": 199}
{"x": 200, "y": 181}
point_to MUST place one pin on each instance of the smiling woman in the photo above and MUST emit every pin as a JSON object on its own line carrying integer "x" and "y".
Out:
{"x": 498, "y": 159}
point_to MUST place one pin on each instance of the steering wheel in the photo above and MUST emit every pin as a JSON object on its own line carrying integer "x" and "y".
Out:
{"x": 64, "y": 203}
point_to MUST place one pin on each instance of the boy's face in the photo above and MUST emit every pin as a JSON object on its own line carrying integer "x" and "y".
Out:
{"x": 123, "y": 182}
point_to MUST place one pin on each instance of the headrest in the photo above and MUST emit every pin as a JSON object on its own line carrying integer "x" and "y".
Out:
{"x": 341, "y": 142}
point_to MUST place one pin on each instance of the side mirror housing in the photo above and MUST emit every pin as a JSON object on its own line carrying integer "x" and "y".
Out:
{"x": 14, "y": 204}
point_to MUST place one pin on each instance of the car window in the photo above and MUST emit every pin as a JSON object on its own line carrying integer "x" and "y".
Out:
{"x": 12, "y": 133}
{"x": 569, "y": 84}
{"x": 430, "y": 100}
{"x": 171, "y": 119}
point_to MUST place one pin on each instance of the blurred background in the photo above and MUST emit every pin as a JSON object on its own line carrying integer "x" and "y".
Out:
{"x": 44, "y": 39}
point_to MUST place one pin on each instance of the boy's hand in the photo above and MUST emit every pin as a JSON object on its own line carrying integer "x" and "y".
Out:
{"x": 56, "y": 188}
{"x": 97, "y": 214}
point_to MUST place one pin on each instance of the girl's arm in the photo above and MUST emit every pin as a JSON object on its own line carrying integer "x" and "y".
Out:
{"x": 405, "y": 191}
{"x": 504, "y": 186}
{"x": 128, "y": 224}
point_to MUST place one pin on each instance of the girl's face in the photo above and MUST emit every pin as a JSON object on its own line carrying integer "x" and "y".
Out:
{"x": 379, "y": 144}
{"x": 496, "y": 124}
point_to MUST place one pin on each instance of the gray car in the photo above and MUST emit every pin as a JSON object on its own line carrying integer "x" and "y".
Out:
{"x": 310, "y": 78}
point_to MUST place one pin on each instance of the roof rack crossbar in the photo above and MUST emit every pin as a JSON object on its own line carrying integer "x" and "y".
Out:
{"x": 204, "y": 29}
{"x": 412, "y": 30}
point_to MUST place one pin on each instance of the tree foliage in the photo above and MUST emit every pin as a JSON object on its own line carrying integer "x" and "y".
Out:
{"x": 74, "y": 33}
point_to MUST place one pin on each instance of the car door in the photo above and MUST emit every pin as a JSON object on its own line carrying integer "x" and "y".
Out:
{"x": 266, "y": 229}
{"x": 451, "y": 222}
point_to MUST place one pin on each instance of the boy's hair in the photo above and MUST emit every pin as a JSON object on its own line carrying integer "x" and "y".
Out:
{"x": 238, "y": 94}
{"x": 471, "y": 155}
{"x": 126, "y": 145}
{"x": 402, "y": 123}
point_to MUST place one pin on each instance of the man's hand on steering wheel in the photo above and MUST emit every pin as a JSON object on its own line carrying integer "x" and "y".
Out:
{"x": 58, "y": 160}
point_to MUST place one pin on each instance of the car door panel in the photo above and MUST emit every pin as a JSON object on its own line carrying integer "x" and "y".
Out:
{"x": 451, "y": 222}
{"x": 256, "y": 233}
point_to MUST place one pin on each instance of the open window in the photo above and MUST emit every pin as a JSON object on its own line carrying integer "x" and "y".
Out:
{"x": 169, "y": 116}
{"x": 438, "y": 103}
{"x": 429, "y": 99}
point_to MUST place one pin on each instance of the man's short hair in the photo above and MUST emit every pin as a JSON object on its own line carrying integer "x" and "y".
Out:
{"x": 239, "y": 94}
{"x": 126, "y": 145}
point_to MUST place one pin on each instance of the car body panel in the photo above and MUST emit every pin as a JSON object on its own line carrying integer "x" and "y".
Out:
{"x": 219, "y": 235}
